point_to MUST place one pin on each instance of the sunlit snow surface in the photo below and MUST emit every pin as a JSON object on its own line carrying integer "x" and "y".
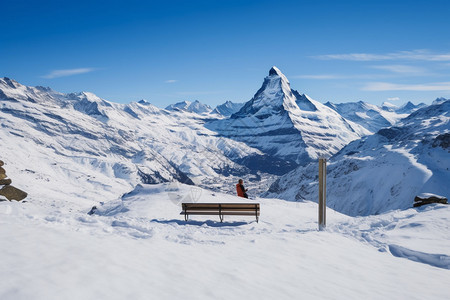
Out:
{"x": 139, "y": 247}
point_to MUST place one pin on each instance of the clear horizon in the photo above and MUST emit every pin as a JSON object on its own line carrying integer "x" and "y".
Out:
{"x": 214, "y": 51}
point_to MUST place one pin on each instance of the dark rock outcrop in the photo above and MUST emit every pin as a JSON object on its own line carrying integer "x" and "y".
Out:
{"x": 5, "y": 181}
{"x": 442, "y": 140}
{"x": 12, "y": 193}
{"x": 428, "y": 199}
{"x": 8, "y": 191}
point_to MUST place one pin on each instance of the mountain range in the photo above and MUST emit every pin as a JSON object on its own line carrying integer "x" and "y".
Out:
{"x": 383, "y": 171}
{"x": 55, "y": 139}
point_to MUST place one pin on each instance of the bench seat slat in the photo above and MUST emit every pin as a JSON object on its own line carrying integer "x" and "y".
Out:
{"x": 216, "y": 213}
{"x": 223, "y": 209}
{"x": 223, "y": 205}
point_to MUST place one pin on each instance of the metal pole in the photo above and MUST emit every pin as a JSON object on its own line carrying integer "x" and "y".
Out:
{"x": 322, "y": 193}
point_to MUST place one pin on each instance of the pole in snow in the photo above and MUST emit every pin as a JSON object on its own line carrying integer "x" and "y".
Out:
{"x": 322, "y": 193}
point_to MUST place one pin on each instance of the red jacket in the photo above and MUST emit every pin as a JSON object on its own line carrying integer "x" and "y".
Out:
{"x": 240, "y": 190}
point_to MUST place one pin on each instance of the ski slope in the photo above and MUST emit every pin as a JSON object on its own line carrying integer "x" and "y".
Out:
{"x": 139, "y": 247}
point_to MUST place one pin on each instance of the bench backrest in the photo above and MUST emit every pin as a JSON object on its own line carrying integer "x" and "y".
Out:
{"x": 222, "y": 206}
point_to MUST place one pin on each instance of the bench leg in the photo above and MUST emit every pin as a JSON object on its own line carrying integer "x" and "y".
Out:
{"x": 220, "y": 213}
{"x": 186, "y": 217}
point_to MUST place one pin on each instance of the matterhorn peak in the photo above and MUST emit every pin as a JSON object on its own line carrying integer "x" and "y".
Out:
{"x": 274, "y": 96}
{"x": 277, "y": 75}
{"x": 275, "y": 71}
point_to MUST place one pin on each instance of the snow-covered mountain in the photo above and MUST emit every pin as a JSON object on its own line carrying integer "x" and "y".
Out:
{"x": 373, "y": 117}
{"x": 440, "y": 100}
{"x": 73, "y": 151}
{"x": 409, "y": 108}
{"x": 195, "y": 107}
{"x": 383, "y": 171}
{"x": 118, "y": 144}
{"x": 228, "y": 108}
{"x": 83, "y": 140}
{"x": 286, "y": 125}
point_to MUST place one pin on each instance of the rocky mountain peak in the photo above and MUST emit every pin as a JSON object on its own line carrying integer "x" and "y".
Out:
{"x": 275, "y": 71}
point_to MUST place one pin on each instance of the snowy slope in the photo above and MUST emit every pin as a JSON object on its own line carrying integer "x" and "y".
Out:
{"x": 273, "y": 133}
{"x": 195, "y": 107}
{"x": 139, "y": 247}
{"x": 373, "y": 117}
{"x": 130, "y": 143}
{"x": 228, "y": 108}
{"x": 384, "y": 171}
{"x": 286, "y": 125}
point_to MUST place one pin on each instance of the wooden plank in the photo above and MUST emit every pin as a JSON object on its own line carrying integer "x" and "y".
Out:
{"x": 221, "y": 204}
{"x": 223, "y": 208}
{"x": 216, "y": 213}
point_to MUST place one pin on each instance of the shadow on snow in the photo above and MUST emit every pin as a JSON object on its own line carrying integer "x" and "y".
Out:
{"x": 200, "y": 223}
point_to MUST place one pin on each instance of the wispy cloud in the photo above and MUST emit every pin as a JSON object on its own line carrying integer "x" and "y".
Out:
{"x": 339, "y": 76}
{"x": 386, "y": 86}
{"x": 420, "y": 55}
{"x": 401, "y": 69}
{"x": 353, "y": 57}
{"x": 320, "y": 76}
{"x": 199, "y": 93}
{"x": 171, "y": 81}
{"x": 67, "y": 72}
{"x": 393, "y": 99}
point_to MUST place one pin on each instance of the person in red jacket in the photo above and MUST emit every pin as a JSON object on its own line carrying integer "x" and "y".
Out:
{"x": 241, "y": 191}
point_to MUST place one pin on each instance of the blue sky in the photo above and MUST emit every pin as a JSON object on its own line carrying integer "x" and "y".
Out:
{"x": 213, "y": 51}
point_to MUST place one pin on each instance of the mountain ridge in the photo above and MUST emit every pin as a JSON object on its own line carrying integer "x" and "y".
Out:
{"x": 273, "y": 122}
{"x": 278, "y": 130}
{"x": 383, "y": 171}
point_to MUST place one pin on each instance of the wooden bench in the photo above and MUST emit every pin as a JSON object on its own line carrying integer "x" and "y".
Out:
{"x": 220, "y": 209}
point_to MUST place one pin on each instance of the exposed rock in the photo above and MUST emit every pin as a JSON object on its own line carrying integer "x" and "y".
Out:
{"x": 12, "y": 193}
{"x": 5, "y": 181}
{"x": 2, "y": 171}
{"x": 442, "y": 140}
{"x": 3, "y": 176}
{"x": 428, "y": 199}
{"x": 1, "y": 163}
{"x": 92, "y": 211}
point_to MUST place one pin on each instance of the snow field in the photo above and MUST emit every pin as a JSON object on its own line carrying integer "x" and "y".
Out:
{"x": 139, "y": 247}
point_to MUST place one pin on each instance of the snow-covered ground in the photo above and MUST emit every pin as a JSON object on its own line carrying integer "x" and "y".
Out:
{"x": 139, "y": 247}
